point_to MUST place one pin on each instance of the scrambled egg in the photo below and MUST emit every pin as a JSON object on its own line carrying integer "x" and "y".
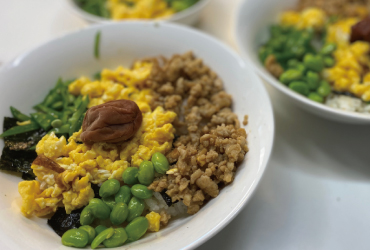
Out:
{"x": 143, "y": 9}
{"x": 154, "y": 221}
{"x": 309, "y": 18}
{"x": 85, "y": 164}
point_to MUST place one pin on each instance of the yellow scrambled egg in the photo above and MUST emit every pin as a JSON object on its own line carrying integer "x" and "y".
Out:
{"x": 140, "y": 9}
{"x": 309, "y": 18}
{"x": 84, "y": 164}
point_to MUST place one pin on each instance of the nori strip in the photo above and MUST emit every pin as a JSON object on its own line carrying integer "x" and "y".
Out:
{"x": 167, "y": 198}
{"x": 96, "y": 188}
{"x": 61, "y": 222}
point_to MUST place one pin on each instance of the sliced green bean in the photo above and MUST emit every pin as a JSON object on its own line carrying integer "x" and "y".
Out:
{"x": 20, "y": 129}
{"x": 18, "y": 115}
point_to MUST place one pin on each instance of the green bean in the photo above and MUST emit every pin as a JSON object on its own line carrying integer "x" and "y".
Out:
{"x": 119, "y": 213}
{"x": 300, "y": 87}
{"x": 106, "y": 234}
{"x": 146, "y": 173}
{"x": 123, "y": 195}
{"x": 329, "y": 61}
{"x": 118, "y": 239}
{"x": 57, "y": 123}
{"x": 328, "y": 49}
{"x": 160, "y": 163}
{"x": 57, "y": 105}
{"x": 289, "y": 76}
{"x": 48, "y": 110}
{"x": 316, "y": 97}
{"x": 20, "y": 129}
{"x": 44, "y": 120}
{"x": 313, "y": 80}
{"x": 99, "y": 229}
{"x": 99, "y": 209}
{"x": 18, "y": 115}
{"x": 135, "y": 208}
{"x": 90, "y": 231}
{"x": 179, "y": 5}
{"x": 62, "y": 130}
{"x": 109, "y": 187}
{"x": 109, "y": 201}
{"x": 97, "y": 75}
{"x": 97, "y": 45}
{"x": 71, "y": 98}
{"x": 130, "y": 176}
{"x": 87, "y": 216}
{"x": 313, "y": 62}
{"x": 141, "y": 191}
{"x": 74, "y": 120}
{"x": 137, "y": 228}
{"x": 75, "y": 238}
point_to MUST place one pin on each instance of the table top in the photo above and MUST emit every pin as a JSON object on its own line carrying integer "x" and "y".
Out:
{"x": 315, "y": 193}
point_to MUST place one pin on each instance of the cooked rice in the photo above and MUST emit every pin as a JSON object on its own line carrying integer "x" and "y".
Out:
{"x": 347, "y": 103}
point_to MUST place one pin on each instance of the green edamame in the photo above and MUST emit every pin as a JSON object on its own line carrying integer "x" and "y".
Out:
{"x": 56, "y": 123}
{"x": 135, "y": 208}
{"x": 90, "y": 231}
{"x": 313, "y": 80}
{"x": 137, "y": 228}
{"x": 288, "y": 76}
{"x": 160, "y": 163}
{"x": 119, "y": 213}
{"x": 75, "y": 238}
{"x": 109, "y": 187}
{"x": 87, "y": 216}
{"x": 146, "y": 173}
{"x": 300, "y": 87}
{"x": 110, "y": 201}
{"x": 106, "y": 234}
{"x": 313, "y": 62}
{"x": 99, "y": 229}
{"x": 141, "y": 191}
{"x": 329, "y": 61}
{"x": 123, "y": 195}
{"x": 99, "y": 209}
{"x": 129, "y": 176}
{"x": 316, "y": 97}
{"x": 292, "y": 63}
{"x": 324, "y": 89}
{"x": 328, "y": 49}
{"x": 118, "y": 239}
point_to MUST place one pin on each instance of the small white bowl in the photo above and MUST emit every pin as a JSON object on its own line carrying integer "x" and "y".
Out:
{"x": 189, "y": 16}
{"x": 251, "y": 29}
{"x": 27, "y": 79}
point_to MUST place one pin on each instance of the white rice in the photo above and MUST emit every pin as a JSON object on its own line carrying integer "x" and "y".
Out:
{"x": 347, "y": 103}
{"x": 157, "y": 204}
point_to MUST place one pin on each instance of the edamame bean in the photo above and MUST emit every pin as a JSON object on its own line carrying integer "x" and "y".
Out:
{"x": 99, "y": 209}
{"x": 300, "y": 87}
{"x": 329, "y": 61}
{"x": 109, "y": 201}
{"x": 324, "y": 90}
{"x": 123, "y": 195}
{"x": 146, "y": 173}
{"x": 109, "y": 187}
{"x": 119, "y": 213}
{"x": 160, "y": 163}
{"x": 313, "y": 62}
{"x": 137, "y": 228}
{"x": 106, "y": 234}
{"x": 292, "y": 63}
{"x": 313, "y": 80}
{"x": 56, "y": 123}
{"x": 90, "y": 231}
{"x": 315, "y": 97}
{"x": 135, "y": 208}
{"x": 87, "y": 216}
{"x": 75, "y": 238}
{"x": 141, "y": 191}
{"x": 129, "y": 176}
{"x": 99, "y": 229}
{"x": 287, "y": 77}
{"x": 118, "y": 239}
{"x": 328, "y": 49}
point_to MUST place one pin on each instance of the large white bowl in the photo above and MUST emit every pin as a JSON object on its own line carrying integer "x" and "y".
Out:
{"x": 189, "y": 16}
{"x": 28, "y": 78}
{"x": 251, "y": 29}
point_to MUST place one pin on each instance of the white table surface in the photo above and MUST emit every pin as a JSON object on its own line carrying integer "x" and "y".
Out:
{"x": 315, "y": 193}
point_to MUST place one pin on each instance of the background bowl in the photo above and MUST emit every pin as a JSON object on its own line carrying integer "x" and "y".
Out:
{"x": 251, "y": 29}
{"x": 28, "y": 79}
{"x": 189, "y": 16}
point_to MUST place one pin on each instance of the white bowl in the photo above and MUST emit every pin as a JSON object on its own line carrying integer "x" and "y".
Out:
{"x": 189, "y": 16}
{"x": 251, "y": 30}
{"x": 27, "y": 79}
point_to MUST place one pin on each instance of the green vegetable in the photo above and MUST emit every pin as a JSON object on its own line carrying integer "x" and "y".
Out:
{"x": 119, "y": 213}
{"x": 313, "y": 62}
{"x": 141, "y": 191}
{"x": 118, "y": 239}
{"x": 20, "y": 129}
{"x": 76, "y": 117}
{"x": 292, "y": 63}
{"x": 135, "y": 208}
{"x": 109, "y": 201}
{"x": 300, "y": 87}
{"x": 316, "y": 97}
{"x": 328, "y": 49}
{"x": 99, "y": 209}
{"x": 180, "y": 5}
{"x": 47, "y": 110}
{"x": 75, "y": 238}
{"x": 287, "y": 77}
{"x": 313, "y": 80}
{"x": 329, "y": 61}
{"x": 100, "y": 229}
{"x": 130, "y": 176}
{"x": 87, "y": 216}
{"x": 123, "y": 195}
{"x": 324, "y": 89}
{"x": 90, "y": 231}
{"x": 97, "y": 45}
{"x": 95, "y": 7}
{"x": 57, "y": 105}
{"x": 109, "y": 187}
{"x": 146, "y": 173}
{"x": 106, "y": 234}
{"x": 18, "y": 115}
{"x": 44, "y": 120}
{"x": 56, "y": 123}
{"x": 62, "y": 130}
{"x": 160, "y": 163}
{"x": 137, "y": 228}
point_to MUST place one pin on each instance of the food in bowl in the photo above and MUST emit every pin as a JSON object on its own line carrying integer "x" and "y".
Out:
{"x": 312, "y": 50}
{"x": 113, "y": 157}
{"x": 134, "y": 9}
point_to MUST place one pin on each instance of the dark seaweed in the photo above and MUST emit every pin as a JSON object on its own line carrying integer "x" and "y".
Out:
{"x": 96, "y": 188}
{"x": 167, "y": 198}
{"x": 61, "y": 222}
{"x": 344, "y": 93}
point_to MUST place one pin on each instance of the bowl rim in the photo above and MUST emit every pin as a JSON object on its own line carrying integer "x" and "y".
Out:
{"x": 248, "y": 194}
{"x": 173, "y": 18}
{"x": 265, "y": 75}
